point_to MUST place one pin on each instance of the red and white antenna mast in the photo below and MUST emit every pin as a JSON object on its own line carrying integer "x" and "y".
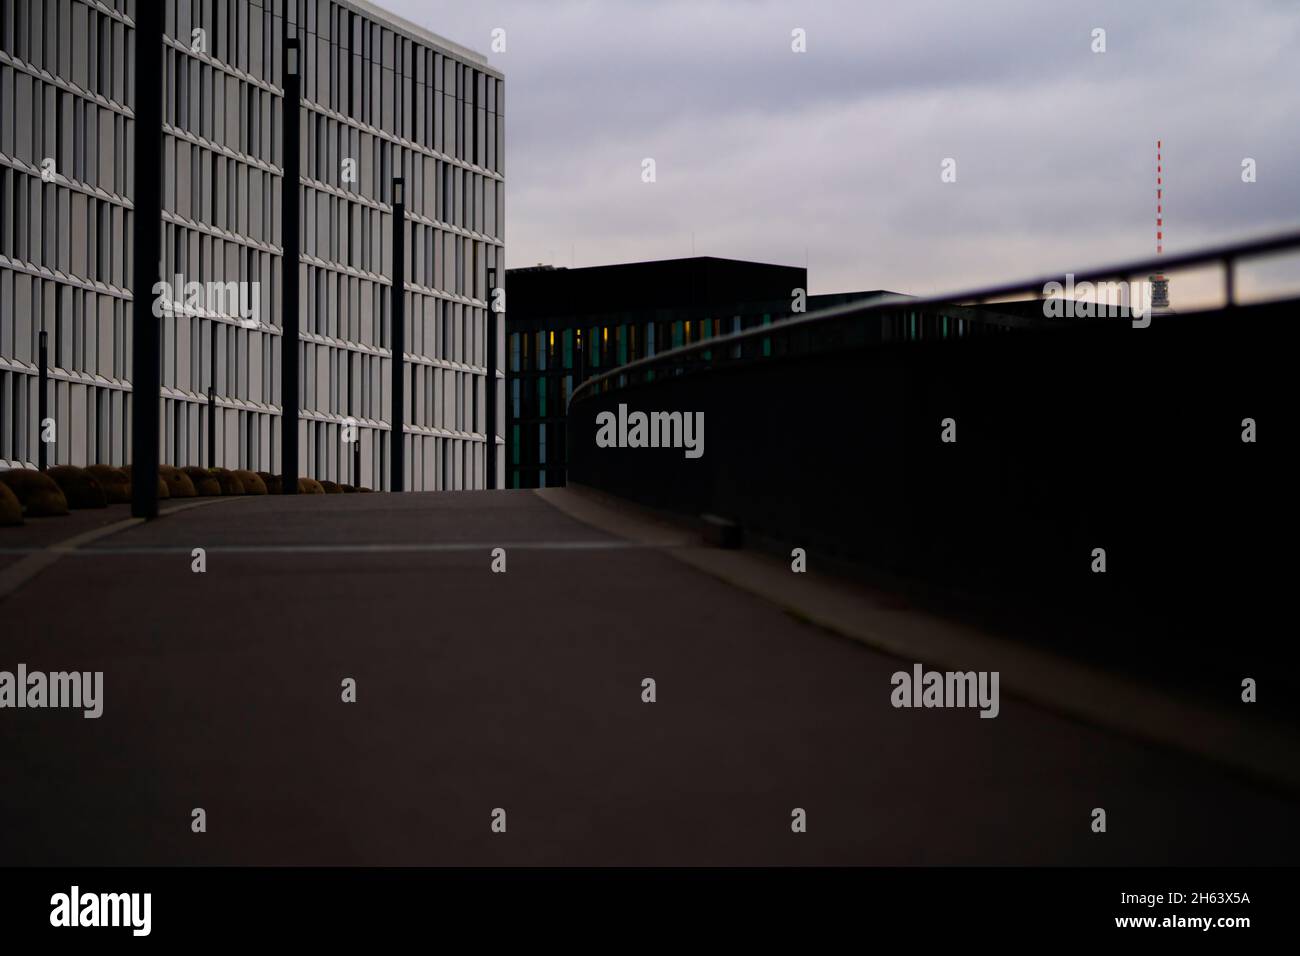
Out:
{"x": 1160, "y": 201}
{"x": 1159, "y": 283}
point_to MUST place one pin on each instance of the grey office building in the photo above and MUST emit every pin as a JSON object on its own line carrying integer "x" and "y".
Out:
{"x": 381, "y": 98}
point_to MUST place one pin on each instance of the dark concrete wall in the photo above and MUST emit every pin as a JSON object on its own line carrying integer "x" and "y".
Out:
{"x": 1095, "y": 436}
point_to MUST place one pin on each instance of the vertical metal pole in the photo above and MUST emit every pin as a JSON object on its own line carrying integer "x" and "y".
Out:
{"x": 581, "y": 361}
{"x": 490, "y": 395}
{"x": 212, "y": 427}
{"x": 580, "y": 365}
{"x": 212, "y": 399}
{"x": 43, "y": 403}
{"x": 291, "y": 244}
{"x": 397, "y": 447}
{"x": 146, "y": 351}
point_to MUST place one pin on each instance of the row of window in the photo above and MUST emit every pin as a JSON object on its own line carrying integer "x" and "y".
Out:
{"x": 352, "y": 65}
{"x": 84, "y": 141}
{"x": 448, "y": 262}
{"x": 432, "y": 462}
{"x": 237, "y": 361}
{"x": 71, "y": 39}
{"x": 86, "y": 330}
{"x": 445, "y": 330}
{"x": 247, "y": 361}
{"x": 205, "y": 186}
{"x": 453, "y": 464}
{"x": 456, "y": 120}
{"x": 356, "y": 309}
{"x": 91, "y": 332}
{"x": 246, "y": 34}
{"x": 340, "y": 230}
{"x": 611, "y": 345}
{"x": 355, "y": 161}
{"x": 217, "y": 106}
{"x": 444, "y": 398}
{"x": 450, "y": 331}
{"x": 350, "y": 383}
{"x": 93, "y": 425}
{"x": 196, "y": 256}
{"x": 361, "y": 68}
{"x": 64, "y": 229}
{"x": 235, "y": 197}
{"x": 213, "y": 188}
{"x": 89, "y": 144}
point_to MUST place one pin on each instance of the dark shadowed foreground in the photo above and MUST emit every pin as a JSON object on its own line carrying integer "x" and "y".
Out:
{"x": 522, "y": 691}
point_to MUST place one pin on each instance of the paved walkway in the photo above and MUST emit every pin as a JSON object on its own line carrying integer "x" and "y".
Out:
{"x": 523, "y": 691}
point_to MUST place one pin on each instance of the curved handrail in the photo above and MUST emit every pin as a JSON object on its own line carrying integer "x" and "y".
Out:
{"x": 1226, "y": 255}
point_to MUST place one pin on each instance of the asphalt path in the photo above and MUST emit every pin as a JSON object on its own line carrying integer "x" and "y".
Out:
{"x": 522, "y": 691}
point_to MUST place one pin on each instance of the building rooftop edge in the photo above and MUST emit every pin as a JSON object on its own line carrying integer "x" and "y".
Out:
{"x": 424, "y": 34}
{"x": 546, "y": 266}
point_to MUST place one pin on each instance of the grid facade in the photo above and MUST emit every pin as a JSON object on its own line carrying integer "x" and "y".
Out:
{"x": 381, "y": 98}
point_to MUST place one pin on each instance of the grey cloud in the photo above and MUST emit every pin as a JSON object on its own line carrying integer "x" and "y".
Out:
{"x": 762, "y": 152}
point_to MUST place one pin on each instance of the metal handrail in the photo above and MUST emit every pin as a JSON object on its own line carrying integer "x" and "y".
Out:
{"x": 1226, "y": 255}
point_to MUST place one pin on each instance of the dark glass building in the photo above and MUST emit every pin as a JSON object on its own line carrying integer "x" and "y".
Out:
{"x": 564, "y": 325}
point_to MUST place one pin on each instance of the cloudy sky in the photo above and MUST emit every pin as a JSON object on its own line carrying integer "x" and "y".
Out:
{"x": 833, "y": 156}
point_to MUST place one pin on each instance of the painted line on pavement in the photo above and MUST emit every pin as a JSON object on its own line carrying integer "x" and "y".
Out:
{"x": 38, "y": 559}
